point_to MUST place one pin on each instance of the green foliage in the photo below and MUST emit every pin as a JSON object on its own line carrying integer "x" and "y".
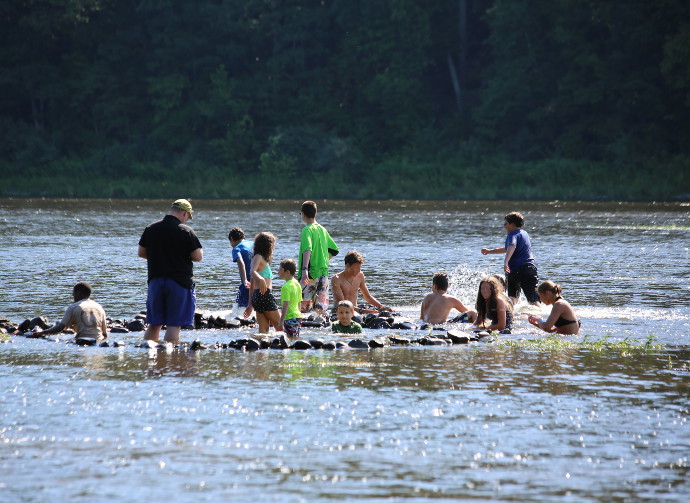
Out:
{"x": 361, "y": 99}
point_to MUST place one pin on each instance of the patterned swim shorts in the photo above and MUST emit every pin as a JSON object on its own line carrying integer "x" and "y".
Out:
{"x": 316, "y": 293}
{"x": 292, "y": 327}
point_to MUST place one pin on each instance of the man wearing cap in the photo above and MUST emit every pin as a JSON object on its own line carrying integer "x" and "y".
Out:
{"x": 169, "y": 247}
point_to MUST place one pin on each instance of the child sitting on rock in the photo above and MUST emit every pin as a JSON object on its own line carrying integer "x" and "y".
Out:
{"x": 345, "y": 325}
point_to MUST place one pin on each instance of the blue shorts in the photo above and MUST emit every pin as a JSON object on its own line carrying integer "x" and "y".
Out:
{"x": 169, "y": 303}
{"x": 242, "y": 299}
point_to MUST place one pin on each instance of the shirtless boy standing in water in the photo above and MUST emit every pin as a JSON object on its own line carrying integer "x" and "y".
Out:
{"x": 437, "y": 305}
{"x": 347, "y": 283}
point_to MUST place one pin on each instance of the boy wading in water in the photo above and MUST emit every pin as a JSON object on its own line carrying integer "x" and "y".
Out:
{"x": 345, "y": 325}
{"x": 315, "y": 251}
{"x": 437, "y": 305}
{"x": 347, "y": 283}
{"x": 519, "y": 264}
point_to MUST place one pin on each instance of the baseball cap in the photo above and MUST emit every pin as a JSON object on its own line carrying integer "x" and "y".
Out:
{"x": 184, "y": 205}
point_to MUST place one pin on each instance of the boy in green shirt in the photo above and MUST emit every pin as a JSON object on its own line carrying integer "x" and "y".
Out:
{"x": 345, "y": 325}
{"x": 290, "y": 298}
{"x": 315, "y": 251}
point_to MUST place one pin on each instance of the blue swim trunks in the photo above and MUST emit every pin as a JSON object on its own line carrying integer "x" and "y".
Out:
{"x": 242, "y": 299}
{"x": 169, "y": 303}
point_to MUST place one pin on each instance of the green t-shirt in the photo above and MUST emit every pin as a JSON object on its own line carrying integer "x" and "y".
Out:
{"x": 318, "y": 241}
{"x": 353, "y": 328}
{"x": 291, "y": 292}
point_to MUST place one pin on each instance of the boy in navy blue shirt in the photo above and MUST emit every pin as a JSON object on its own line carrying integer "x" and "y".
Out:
{"x": 519, "y": 264}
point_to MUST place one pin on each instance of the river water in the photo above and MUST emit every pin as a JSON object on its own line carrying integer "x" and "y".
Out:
{"x": 485, "y": 422}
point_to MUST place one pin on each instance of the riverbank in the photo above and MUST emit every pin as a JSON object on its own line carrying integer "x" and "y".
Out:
{"x": 454, "y": 178}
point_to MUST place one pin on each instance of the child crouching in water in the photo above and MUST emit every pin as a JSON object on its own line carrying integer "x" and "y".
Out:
{"x": 492, "y": 306}
{"x": 345, "y": 325}
{"x": 290, "y": 298}
{"x": 562, "y": 319}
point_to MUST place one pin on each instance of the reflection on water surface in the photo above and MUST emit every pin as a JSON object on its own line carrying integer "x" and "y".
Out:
{"x": 477, "y": 422}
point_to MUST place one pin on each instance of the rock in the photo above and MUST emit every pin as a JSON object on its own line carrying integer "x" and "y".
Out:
{"x": 118, "y": 344}
{"x": 187, "y": 327}
{"x": 311, "y": 324}
{"x": 40, "y": 322}
{"x": 24, "y": 326}
{"x": 368, "y": 318}
{"x": 141, "y": 317}
{"x": 252, "y": 345}
{"x": 379, "y": 323}
{"x": 358, "y": 344}
{"x": 458, "y": 337}
{"x": 380, "y": 342}
{"x": 301, "y": 344}
{"x": 505, "y": 331}
{"x": 135, "y": 326}
{"x": 404, "y": 325}
{"x": 197, "y": 345}
{"x": 281, "y": 342}
{"x": 357, "y": 318}
{"x": 483, "y": 333}
{"x": 33, "y": 335}
{"x": 328, "y": 346}
{"x": 248, "y": 322}
{"x": 340, "y": 345}
{"x": 233, "y": 322}
{"x": 316, "y": 343}
{"x": 398, "y": 341}
{"x": 247, "y": 344}
{"x": 432, "y": 341}
{"x": 119, "y": 330}
{"x": 147, "y": 345}
{"x": 104, "y": 344}
{"x": 86, "y": 341}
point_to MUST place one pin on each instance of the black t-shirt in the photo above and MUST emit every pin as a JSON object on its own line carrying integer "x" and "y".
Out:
{"x": 168, "y": 244}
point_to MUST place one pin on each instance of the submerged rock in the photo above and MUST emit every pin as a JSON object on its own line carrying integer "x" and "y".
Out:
{"x": 432, "y": 341}
{"x": 380, "y": 342}
{"x": 358, "y": 344}
{"x": 119, "y": 330}
{"x": 86, "y": 341}
{"x": 233, "y": 322}
{"x": 197, "y": 345}
{"x": 328, "y": 346}
{"x": 399, "y": 341}
{"x": 136, "y": 326}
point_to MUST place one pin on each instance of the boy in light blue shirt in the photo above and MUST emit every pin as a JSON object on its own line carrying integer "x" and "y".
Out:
{"x": 242, "y": 256}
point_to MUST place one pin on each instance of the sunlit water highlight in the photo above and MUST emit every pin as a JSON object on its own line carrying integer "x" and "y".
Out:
{"x": 478, "y": 423}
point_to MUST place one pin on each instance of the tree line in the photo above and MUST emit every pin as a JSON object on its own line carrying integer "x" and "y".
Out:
{"x": 443, "y": 99}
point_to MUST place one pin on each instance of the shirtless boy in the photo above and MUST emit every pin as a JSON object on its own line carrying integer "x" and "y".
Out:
{"x": 438, "y": 304}
{"x": 347, "y": 283}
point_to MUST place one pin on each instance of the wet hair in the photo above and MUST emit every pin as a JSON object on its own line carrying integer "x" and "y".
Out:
{"x": 264, "y": 243}
{"x": 486, "y": 308}
{"x": 309, "y": 209}
{"x": 236, "y": 234}
{"x": 289, "y": 265}
{"x": 515, "y": 218}
{"x": 83, "y": 289}
{"x": 440, "y": 279}
{"x": 347, "y": 304}
{"x": 550, "y": 286}
{"x": 354, "y": 257}
{"x": 501, "y": 281}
